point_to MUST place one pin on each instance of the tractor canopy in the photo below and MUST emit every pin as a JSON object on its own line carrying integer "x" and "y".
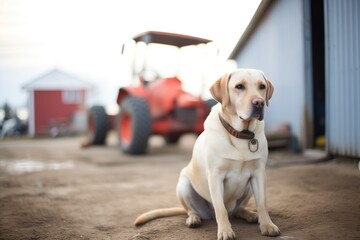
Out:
{"x": 154, "y": 55}
{"x": 173, "y": 39}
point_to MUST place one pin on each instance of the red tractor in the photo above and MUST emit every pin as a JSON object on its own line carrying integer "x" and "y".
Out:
{"x": 160, "y": 107}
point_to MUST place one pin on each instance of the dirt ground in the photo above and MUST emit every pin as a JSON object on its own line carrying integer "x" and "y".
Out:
{"x": 53, "y": 189}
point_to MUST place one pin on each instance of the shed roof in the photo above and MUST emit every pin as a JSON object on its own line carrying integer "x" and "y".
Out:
{"x": 256, "y": 19}
{"x": 57, "y": 80}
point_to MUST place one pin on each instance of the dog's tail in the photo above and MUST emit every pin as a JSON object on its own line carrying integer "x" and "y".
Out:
{"x": 159, "y": 213}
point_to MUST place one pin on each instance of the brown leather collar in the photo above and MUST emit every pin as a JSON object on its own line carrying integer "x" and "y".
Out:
{"x": 244, "y": 134}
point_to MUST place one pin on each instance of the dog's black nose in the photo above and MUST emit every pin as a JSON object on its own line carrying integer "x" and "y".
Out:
{"x": 258, "y": 102}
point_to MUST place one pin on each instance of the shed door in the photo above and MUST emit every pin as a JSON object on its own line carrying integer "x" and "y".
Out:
{"x": 318, "y": 71}
{"x": 314, "y": 73}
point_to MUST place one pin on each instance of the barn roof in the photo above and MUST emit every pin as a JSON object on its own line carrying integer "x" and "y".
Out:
{"x": 55, "y": 80}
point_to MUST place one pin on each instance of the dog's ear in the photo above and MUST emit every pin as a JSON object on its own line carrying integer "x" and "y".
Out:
{"x": 269, "y": 90}
{"x": 219, "y": 90}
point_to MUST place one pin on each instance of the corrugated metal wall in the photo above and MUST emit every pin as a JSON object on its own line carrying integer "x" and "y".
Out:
{"x": 342, "y": 56}
{"x": 276, "y": 47}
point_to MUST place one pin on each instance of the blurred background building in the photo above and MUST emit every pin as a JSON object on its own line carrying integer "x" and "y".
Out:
{"x": 57, "y": 104}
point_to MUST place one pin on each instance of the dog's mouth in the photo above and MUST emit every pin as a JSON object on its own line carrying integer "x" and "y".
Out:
{"x": 258, "y": 116}
{"x": 255, "y": 115}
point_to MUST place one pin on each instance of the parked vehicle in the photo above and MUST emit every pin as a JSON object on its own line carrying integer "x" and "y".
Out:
{"x": 158, "y": 106}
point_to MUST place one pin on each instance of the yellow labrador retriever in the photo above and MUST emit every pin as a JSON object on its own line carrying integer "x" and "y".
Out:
{"x": 229, "y": 158}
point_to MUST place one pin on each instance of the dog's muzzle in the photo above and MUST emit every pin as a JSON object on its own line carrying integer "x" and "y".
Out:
{"x": 257, "y": 110}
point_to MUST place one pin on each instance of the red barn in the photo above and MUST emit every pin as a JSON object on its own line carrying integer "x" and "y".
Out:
{"x": 57, "y": 104}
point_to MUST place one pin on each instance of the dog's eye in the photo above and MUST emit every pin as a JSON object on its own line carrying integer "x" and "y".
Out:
{"x": 262, "y": 86}
{"x": 240, "y": 86}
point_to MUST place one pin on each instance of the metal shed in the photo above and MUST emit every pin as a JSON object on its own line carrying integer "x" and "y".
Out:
{"x": 310, "y": 50}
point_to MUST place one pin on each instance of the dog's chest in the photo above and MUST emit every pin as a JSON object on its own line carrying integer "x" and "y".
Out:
{"x": 236, "y": 179}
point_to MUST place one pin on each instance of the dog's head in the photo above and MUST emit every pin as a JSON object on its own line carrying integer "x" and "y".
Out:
{"x": 243, "y": 92}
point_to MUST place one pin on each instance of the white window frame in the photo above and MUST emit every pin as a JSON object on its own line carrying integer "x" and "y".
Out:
{"x": 71, "y": 96}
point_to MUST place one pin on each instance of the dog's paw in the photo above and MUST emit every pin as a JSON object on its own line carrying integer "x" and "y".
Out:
{"x": 226, "y": 234}
{"x": 249, "y": 216}
{"x": 269, "y": 229}
{"x": 193, "y": 221}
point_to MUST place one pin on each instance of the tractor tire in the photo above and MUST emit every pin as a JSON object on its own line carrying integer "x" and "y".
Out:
{"x": 134, "y": 125}
{"x": 209, "y": 104}
{"x": 98, "y": 125}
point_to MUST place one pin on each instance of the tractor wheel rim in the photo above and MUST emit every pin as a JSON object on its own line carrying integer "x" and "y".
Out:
{"x": 126, "y": 128}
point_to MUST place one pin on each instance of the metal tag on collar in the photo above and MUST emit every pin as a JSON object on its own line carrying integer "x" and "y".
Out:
{"x": 253, "y": 145}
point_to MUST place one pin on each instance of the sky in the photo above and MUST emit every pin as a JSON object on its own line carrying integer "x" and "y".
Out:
{"x": 85, "y": 37}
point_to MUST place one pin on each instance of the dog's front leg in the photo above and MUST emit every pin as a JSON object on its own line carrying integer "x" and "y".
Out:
{"x": 216, "y": 186}
{"x": 267, "y": 227}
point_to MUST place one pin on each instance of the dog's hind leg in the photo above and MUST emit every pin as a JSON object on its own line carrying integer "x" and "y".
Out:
{"x": 196, "y": 206}
{"x": 241, "y": 211}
